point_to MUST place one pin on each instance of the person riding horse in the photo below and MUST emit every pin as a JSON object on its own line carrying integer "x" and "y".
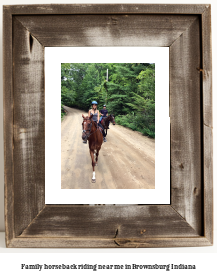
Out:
{"x": 95, "y": 118}
{"x": 103, "y": 113}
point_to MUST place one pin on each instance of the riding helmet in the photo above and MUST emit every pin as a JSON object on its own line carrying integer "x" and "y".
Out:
{"x": 94, "y": 102}
{"x": 104, "y": 105}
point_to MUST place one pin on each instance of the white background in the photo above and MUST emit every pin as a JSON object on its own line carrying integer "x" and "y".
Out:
{"x": 205, "y": 257}
{"x": 53, "y": 192}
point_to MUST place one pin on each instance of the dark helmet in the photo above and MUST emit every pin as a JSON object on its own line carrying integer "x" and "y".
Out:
{"x": 104, "y": 105}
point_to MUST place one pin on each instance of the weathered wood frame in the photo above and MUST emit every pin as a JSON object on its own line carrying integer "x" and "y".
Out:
{"x": 188, "y": 220}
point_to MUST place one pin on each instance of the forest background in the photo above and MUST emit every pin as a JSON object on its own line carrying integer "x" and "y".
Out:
{"x": 129, "y": 92}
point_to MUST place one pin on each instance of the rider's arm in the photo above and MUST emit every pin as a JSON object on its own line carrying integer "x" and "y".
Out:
{"x": 98, "y": 116}
{"x": 89, "y": 113}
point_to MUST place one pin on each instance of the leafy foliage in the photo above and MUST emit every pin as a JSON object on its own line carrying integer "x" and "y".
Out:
{"x": 129, "y": 92}
{"x": 62, "y": 111}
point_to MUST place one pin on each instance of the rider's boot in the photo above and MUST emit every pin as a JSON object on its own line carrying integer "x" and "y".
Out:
{"x": 104, "y": 135}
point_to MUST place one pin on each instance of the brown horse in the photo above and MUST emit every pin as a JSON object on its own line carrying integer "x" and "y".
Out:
{"x": 92, "y": 133}
{"x": 105, "y": 122}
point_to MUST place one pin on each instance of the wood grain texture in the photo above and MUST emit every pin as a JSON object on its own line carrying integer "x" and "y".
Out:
{"x": 109, "y": 221}
{"x": 108, "y": 243}
{"x": 106, "y": 9}
{"x": 207, "y": 122}
{"x": 207, "y": 67}
{"x": 29, "y": 140}
{"x": 185, "y": 113}
{"x": 8, "y": 125}
{"x": 29, "y": 223}
{"x": 107, "y": 30}
{"x": 208, "y": 183}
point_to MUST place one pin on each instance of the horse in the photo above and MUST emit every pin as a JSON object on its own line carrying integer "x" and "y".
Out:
{"x": 93, "y": 134}
{"x": 105, "y": 122}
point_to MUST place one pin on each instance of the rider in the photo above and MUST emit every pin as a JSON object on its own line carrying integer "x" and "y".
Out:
{"x": 95, "y": 117}
{"x": 103, "y": 113}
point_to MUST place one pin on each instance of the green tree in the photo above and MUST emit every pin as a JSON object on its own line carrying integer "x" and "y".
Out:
{"x": 129, "y": 92}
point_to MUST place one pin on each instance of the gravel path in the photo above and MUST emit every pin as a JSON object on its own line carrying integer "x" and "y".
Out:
{"x": 126, "y": 160}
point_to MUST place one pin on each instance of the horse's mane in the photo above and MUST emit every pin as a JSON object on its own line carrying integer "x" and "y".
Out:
{"x": 94, "y": 123}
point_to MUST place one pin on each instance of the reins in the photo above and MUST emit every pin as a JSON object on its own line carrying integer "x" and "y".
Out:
{"x": 90, "y": 130}
{"x": 95, "y": 130}
{"x": 109, "y": 119}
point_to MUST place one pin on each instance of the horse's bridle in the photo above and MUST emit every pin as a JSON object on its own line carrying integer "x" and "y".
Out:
{"x": 112, "y": 118}
{"x": 85, "y": 131}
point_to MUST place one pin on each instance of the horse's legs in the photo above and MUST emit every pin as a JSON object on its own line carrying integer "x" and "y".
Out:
{"x": 106, "y": 131}
{"x": 97, "y": 153}
{"x": 93, "y": 164}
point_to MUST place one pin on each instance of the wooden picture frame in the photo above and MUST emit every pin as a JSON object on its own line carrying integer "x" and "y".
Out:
{"x": 188, "y": 220}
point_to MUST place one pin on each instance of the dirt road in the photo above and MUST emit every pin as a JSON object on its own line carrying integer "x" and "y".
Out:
{"x": 126, "y": 160}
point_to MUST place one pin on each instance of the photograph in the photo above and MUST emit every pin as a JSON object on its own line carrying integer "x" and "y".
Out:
{"x": 107, "y": 125}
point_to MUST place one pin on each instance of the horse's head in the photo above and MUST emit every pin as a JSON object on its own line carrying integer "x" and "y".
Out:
{"x": 112, "y": 119}
{"x": 86, "y": 126}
